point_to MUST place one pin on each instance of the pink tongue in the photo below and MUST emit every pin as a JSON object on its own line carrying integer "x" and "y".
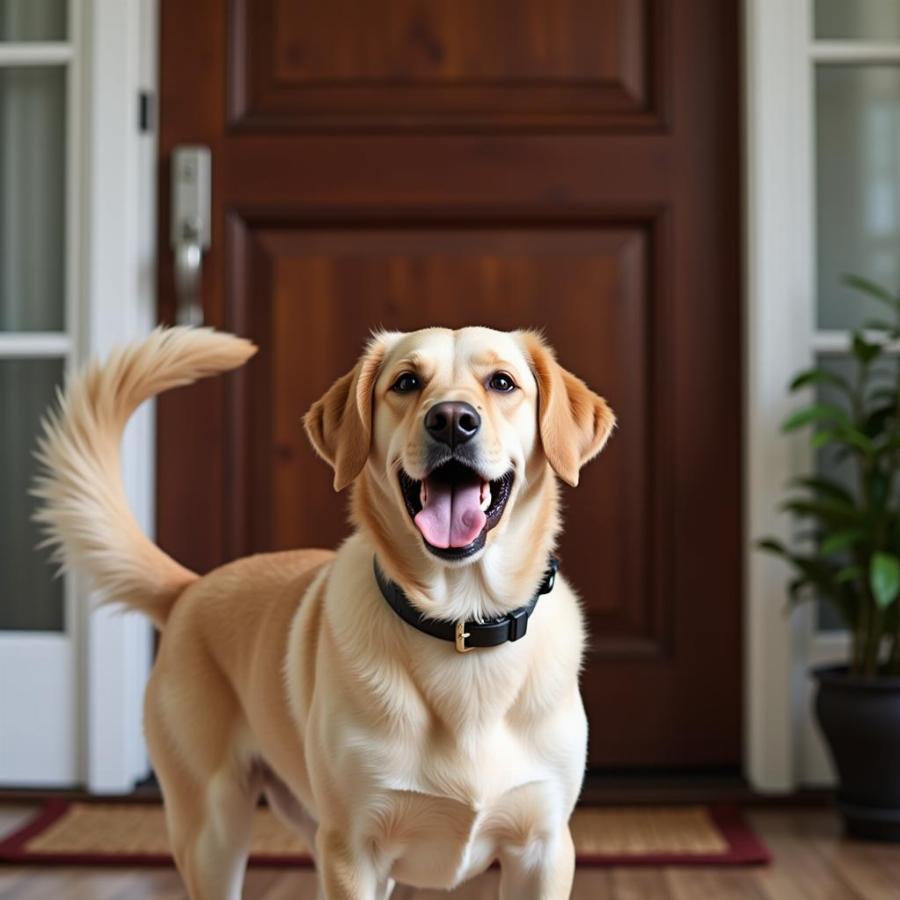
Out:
{"x": 452, "y": 516}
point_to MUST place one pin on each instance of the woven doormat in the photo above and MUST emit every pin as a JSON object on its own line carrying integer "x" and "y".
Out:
{"x": 134, "y": 834}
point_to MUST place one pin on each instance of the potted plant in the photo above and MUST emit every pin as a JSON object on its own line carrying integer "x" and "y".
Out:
{"x": 847, "y": 553}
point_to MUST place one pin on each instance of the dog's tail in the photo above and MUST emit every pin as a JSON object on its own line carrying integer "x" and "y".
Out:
{"x": 84, "y": 512}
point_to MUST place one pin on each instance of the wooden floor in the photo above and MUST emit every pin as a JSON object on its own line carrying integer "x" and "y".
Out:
{"x": 812, "y": 862}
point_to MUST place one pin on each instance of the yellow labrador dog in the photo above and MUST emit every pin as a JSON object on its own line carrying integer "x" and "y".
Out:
{"x": 406, "y": 703}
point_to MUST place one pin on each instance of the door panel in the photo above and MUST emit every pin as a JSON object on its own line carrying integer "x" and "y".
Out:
{"x": 319, "y": 282}
{"x": 568, "y": 166}
{"x": 443, "y": 64}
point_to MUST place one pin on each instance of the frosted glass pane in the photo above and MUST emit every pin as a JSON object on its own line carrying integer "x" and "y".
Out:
{"x": 30, "y": 598}
{"x": 32, "y": 198}
{"x": 32, "y": 20}
{"x": 857, "y": 186}
{"x": 877, "y": 20}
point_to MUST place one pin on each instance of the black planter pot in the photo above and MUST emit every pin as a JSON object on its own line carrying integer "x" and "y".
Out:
{"x": 860, "y": 718}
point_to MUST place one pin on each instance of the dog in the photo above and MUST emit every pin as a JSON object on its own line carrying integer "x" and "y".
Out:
{"x": 409, "y": 704}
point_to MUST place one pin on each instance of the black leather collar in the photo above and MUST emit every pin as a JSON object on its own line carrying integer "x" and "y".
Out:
{"x": 466, "y": 635}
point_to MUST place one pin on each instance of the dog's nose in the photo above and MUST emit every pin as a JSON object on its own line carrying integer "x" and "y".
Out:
{"x": 452, "y": 423}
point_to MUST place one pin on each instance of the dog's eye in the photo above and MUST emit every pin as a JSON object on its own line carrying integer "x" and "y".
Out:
{"x": 406, "y": 383}
{"x": 502, "y": 382}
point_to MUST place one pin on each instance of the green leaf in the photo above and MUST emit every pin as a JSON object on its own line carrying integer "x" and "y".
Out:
{"x": 817, "y": 413}
{"x": 771, "y": 545}
{"x": 819, "y": 573}
{"x": 850, "y": 435}
{"x": 834, "y": 515}
{"x": 872, "y": 289}
{"x": 826, "y": 486}
{"x": 863, "y": 350}
{"x": 818, "y": 376}
{"x": 840, "y": 540}
{"x": 848, "y": 574}
{"x": 822, "y": 438}
{"x": 884, "y": 578}
{"x": 877, "y": 420}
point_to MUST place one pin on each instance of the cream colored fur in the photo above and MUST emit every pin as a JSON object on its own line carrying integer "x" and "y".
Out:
{"x": 396, "y": 757}
{"x": 85, "y": 511}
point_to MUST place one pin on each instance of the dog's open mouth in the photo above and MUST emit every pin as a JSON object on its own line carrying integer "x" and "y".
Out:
{"x": 454, "y": 507}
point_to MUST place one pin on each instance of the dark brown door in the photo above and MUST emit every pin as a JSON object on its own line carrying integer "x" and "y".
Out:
{"x": 566, "y": 164}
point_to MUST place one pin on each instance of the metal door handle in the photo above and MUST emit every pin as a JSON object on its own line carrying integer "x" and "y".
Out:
{"x": 190, "y": 228}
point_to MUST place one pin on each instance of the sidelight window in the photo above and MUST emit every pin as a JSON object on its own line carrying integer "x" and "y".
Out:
{"x": 855, "y": 60}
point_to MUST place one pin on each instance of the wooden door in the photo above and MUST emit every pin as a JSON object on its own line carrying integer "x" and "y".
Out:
{"x": 566, "y": 164}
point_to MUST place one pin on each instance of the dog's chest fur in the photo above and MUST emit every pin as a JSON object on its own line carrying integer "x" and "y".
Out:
{"x": 440, "y": 816}
{"x": 442, "y": 760}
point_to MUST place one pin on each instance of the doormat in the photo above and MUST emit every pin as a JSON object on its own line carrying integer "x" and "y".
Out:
{"x": 123, "y": 833}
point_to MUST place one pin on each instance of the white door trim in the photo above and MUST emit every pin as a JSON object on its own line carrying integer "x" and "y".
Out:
{"x": 778, "y": 202}
{"x": 119, "y": 305}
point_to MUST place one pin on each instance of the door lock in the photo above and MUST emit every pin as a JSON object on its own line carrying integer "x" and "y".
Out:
{"x": 190, "y": 228}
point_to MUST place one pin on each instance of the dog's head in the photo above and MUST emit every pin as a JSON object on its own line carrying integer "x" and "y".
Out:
{"x": 453, "y": 428}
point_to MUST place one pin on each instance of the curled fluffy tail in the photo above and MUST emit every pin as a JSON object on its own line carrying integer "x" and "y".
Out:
{"x": 84, "y": 511}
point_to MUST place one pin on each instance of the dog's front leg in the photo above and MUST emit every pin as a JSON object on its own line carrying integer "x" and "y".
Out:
{"x": 345, "y": 873}
{"x": 541, "y": 870}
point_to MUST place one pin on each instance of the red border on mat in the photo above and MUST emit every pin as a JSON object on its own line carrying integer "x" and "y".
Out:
{"x": 744, "y": 848}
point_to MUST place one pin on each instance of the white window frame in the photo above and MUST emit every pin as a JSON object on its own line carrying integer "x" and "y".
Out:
{"x": 79, "y": 722}
{"x": 39, "y": 699}
{"x": 783, "y": 747}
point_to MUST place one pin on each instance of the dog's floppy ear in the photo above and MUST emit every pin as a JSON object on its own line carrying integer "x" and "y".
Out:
{"x": 574, "y": 422}
{"x": 339, "y": 424}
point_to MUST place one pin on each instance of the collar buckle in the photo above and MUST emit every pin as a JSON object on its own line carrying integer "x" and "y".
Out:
{"x": 461, "y": 635}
